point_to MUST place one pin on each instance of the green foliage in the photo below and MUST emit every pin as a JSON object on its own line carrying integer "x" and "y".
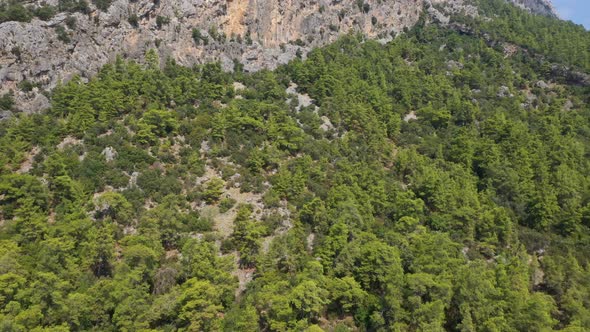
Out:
{"x": 45, "y": 13}
{"x": 14, "y": 11}
{"x": 6, "y": 101}
{"x": 215, "y": 34}
{"x": 62, "y": 34}
{"x": 566, "y": 43}
{"x": 200, "y": 307}
{"x": 226, "y": 203}
{"x": 26, "y": 85}
{"x": 213, "y": 190}
{"x": 199, "y": 38}
{"x": 154, "y": 124}
{"x": 433, "y": 185}
{"x": 246, "y": 236}
{"x": 102, "y": 4}
{"x": 70, "y": 22}
{"x": 73, "y": 6}
{"x": 161, "y": 21}
{"x": 133, "y": 20}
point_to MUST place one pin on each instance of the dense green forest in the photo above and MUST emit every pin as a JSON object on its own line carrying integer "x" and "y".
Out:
{"x": 440, "y": 182}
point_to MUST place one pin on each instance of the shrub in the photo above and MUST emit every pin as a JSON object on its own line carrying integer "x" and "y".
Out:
{"x": 102, "y": 4}
{"x": 73, "y": 6}
{"x": 213, "y": 190}
{"x": 62, "y": 34}
{"x": 71, "y": 22}
{"x": 15, "y": 12}
{"x": 199, "y": 38}
{"x": 16, "y": 51}
{"x": 45, "y": 13}
{"x": 248, "y": 38}
{"x": 133, "y": 20}
{"x": 366, "y": 8}
{"x": 196, "y": 223}
{"x": 162, "y": 20}
{"x": 226, "y": 204}
{"x": 161, "y": 122}
{"x": 26, "y": 85}
{"x": 6, "y": 102}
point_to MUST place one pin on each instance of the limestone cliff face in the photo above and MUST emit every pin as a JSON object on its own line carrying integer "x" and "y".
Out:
{"x": 257, "y": 33}
{"x": 542, "y": 7}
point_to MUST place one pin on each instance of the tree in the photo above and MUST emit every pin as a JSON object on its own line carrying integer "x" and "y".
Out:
{"x": 348, "y": 295}
{"x": 308, "y": 300}
{"x": 241, "y": 319}
{"x": 213, "y": 190}
{"x": 200, "y": 306}
{"x": 115, "y": 206}
{"x": 159, "y": 122}
{"x": 246, "y": 235}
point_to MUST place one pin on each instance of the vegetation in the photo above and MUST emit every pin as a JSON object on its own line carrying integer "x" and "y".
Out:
{"x": 133, "y": 20}
{"x": 161, "y": 21}
{"x": 23, "y": 11}
{"x": 559, "y": 41}
{"x": 15, "y": 11}
{"x": 102, "y": 4}
{"x": 6, "y": 101}
{"x": 441, "y": 184}
{"x": 199, "y": 38}
{"x": 62, "y": 34}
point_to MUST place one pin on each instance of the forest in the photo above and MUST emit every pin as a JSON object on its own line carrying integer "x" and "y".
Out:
{"x": 439, "y": 182}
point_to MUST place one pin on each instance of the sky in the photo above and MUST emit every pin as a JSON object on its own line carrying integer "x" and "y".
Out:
{"x": 577, "y": 11}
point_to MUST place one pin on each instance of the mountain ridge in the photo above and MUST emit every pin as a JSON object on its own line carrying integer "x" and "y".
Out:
{"x": 257, "y": 34}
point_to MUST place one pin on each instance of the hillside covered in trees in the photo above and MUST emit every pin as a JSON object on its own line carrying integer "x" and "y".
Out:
{"x": 439, "y": 182}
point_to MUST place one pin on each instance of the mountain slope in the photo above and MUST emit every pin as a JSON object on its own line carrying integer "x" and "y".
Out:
{"x": 258, "y": 34}
{"x": 438, "y": 182}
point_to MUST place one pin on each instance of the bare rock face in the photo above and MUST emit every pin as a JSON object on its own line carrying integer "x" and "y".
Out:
{"x": 257, "y": 33}
{"x": 541, "y": 7}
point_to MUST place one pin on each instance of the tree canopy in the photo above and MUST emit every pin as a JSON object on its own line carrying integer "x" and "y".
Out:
{"x": 433, "y": 183}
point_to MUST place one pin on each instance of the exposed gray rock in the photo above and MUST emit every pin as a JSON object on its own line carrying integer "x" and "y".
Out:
{"x": 303, "y": 100}
{"x": 259, "y": 34}
{"x": 109, "y": 154}
{"x": 542, "y": 85}
{"x": 569, "y": 75}
{"x": 454, "y": 65}
{"x": 238, "y": 86}
{"x": 410, "y": 116}
{"x": 133, "y": 180}
{"x": 4, "y": 115}
{"x": 326, "y": 124}
{"x": 310, "y": 242}
{"x": 540, "y": 7}
{"x": 32, "y": 101}
{"x": 504, "y": 92}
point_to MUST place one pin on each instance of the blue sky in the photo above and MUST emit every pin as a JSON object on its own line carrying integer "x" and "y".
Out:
{"x": 574, "y": 10}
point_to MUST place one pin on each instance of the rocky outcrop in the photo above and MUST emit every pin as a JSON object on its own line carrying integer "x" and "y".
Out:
{"x": 566, "y": 74}
{"x": 257, "y": 33}
{"x": 541, "y": 7}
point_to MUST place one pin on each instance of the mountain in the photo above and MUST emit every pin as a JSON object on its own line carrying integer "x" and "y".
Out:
{"x": 541, "y": 7}
{"x": 67, "y": 38}
{"x": 435, "y": 181}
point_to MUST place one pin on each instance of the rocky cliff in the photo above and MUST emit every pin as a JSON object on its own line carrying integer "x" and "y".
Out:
{"x": 542, "y": 7}
{"x": 257, "y": 33}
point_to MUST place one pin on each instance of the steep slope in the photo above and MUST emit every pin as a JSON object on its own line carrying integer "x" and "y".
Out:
{"x": 257, "y": 34}
{"x": 438, "y": 182}
{"x": 542, "y": 7}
